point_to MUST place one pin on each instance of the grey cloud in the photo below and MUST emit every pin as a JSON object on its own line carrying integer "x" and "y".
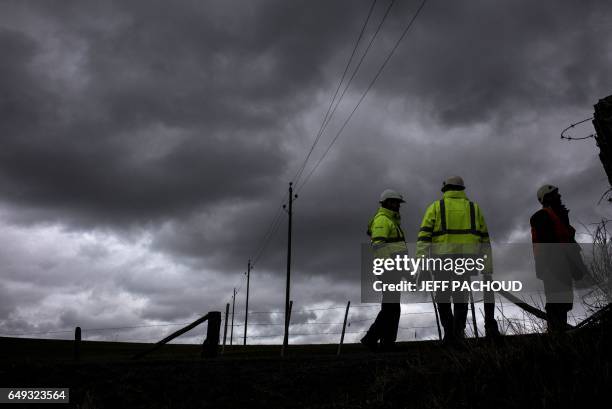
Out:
{"x": 151, "y": 73}
{"x": 186, "y": 121}
{"x": 479, "y": 61}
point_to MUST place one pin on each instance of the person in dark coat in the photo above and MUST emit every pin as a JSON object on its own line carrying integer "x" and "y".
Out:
{"x": 557, "y": 256}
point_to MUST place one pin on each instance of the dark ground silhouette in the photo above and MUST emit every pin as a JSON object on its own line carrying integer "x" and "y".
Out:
{"x": 530, "y": 371}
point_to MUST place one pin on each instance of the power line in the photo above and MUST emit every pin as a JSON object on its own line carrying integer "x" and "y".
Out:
{"x": 356, "y": 69}
{"x": 96, "y": 329}
{"x": 333, "y": 323}
{"x": 36, "y": 333}
{"x": 304, "y": 335}
{"x": 404, "y": 314}
{"x": 240, "y": 281}
{"x": 377, "y": 305}
{"x": 274, "y": 224}
{"x": 397, "y": 43}
{"x": 260, "y": 324}
{"x": 291, "y": 324}
{"x": 327, "y": 116}
{"x": 330, "y": 112}
{"x": 133, "y": 327}
{"x": 311, "y": 309}
{"x": 336, "y": 333}
{"x": 418, "y": 327}
{"x": 366, "y": 306}
{"x": 321, "y": 309}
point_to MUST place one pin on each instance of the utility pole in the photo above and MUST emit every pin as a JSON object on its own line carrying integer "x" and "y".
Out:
{"x": 233, "y": 306}
{"x": 287, "y": 291}
{"x": 286, "y": 339}
{"x": 246, "y": 314}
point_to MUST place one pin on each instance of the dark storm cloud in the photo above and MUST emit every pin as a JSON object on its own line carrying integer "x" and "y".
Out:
{"x": 188, "y": 119}
{"x": 168, "y": 109}
{"x": 482, "y": 61}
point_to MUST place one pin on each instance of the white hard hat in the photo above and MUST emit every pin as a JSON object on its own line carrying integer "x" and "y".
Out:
{"x": 544, "y": 190}
{"x": 391, "y": 194}
{"x": 453, "y": 181}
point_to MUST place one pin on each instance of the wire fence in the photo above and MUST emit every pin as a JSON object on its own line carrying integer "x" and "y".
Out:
{"x": 414, "y": 325}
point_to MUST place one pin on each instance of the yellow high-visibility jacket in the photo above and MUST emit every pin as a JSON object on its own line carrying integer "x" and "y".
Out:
{"x": 386, "y": 234}
{"x": 454, "y": 225}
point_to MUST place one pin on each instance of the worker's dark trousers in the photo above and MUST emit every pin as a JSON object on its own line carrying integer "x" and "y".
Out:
{"x": 452, "y": 321}
{"x": 384, "y": 328}
{"x": 556, "y": 316}
{"x": 559, "y": 293}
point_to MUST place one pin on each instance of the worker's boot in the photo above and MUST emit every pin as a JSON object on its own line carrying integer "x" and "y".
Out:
{"x": 491, "y": 328}
{"x": 449, "y": 336}
{"x": 446, "y": 318}
{"x": 459, "y": 318}
{"x": 386, "y": 346}
{"x": 369, "y": 342}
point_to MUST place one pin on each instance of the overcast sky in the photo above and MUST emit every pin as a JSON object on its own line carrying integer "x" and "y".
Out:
{"x": 147, "y": 145}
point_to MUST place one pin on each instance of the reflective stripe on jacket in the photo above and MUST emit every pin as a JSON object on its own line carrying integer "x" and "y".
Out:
{"x": 454, "y": 225}
{"x": 386, "y": 233}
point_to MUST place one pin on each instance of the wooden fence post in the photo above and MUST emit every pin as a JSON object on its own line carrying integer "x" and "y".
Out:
{"x": 225, "y": 329}
{"x": 176, "y": 334}
{"x": 210, "y": 347}
{"x": 77, "y": 344}
{"x": 348, "y": 305}
{"x": 473, "y": 310}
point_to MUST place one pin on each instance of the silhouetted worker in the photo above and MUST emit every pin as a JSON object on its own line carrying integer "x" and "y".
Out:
{"x": 387, "y": 240}
{"x": 559, "y": 264}
{"x": 455, "y": 227}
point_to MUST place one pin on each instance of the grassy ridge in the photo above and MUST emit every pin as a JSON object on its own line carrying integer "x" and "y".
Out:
{"x": 526, "y": 372}
{"x": 39, "y": 350}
